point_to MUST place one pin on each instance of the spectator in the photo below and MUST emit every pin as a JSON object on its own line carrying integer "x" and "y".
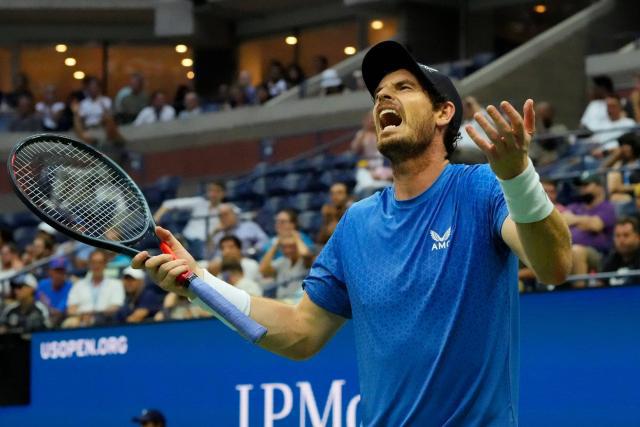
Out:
{"x": 232, "y": 273}
{"x": 466, "y": 150}
{"x": 276, "y": 82}
{"x": 50, "y": 109}
{"x": 253, "y": 238}
{"x": 608, "y": 140}
{"x": 244, "y": 83}
{"x": 591, "y": 222}
{"x": 178, "y": 98}
{"x": 54, "y": 290}
{"x": 295, "y": 78}
{"x": 290, "y": 269}
{"x": 230, "y": 249}
{"x": 26, "y": 119}
{"x": 20, "y": 88}
{"x": 330, "y": 82}
{"x": 141, "y": 302}
{"x": 595, "y": 115}
{"x": 10, "y": 263}
{"x": 625, "y": 159}
{"x": 157, "y": 111}
{"x": 371, "y": 172}
{"x": 262, "y": 94}
{"x": 204, "y": 211}
{"x": 131, "y": 99}
{"x": 625, "y": 254}
{"x": 547, "y": 147}
{"x": 236, "y": 97}
{"x": 191, "y": 106}
{"x": 26, "y": 314}
{"x": 95, "y": 298}
{"x": 150, "y": 418}
{"x": 223, "y": 98}
{"x": 320, "y": 63}
{"x": 93, "y": 108}
{"x": 339, "y": 202}
{"x": 286, "y": 225}
{"x": 551, "y": 188}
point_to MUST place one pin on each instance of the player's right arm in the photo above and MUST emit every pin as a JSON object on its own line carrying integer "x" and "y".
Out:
{"x": 296, "y": 332}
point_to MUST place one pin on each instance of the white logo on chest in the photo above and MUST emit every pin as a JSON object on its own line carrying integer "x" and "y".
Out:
{"x": 440, "y": 242}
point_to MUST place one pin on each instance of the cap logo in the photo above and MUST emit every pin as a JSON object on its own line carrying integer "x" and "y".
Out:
{"x": 426, "y": 67}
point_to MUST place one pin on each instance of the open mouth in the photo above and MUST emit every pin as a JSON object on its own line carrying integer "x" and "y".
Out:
{"x": 389, "y": 119}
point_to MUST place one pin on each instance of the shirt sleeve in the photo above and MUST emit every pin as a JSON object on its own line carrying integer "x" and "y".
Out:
{"x": 492, "y": 198}
{"x": 325, "y": 285}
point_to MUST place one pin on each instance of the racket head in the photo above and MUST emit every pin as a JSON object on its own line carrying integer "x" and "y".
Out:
{"x": 80, "y": 192}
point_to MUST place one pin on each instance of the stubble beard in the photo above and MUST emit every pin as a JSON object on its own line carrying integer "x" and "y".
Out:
{"x": 398, "y": 149}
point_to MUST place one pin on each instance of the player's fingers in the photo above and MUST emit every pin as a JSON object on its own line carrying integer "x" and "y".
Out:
{"x": 501, "y": 124}
{"x": 514, "y": 117}
{"x": 164, "y": 268}
{"x": 138, "y": 261}
{"x": 484, "y": 145}
{"x": 529, "y": 117}
{"x": 166, "y": 236}
{"x": 172, "y": 275}
{"x": 487, "y": 127}
{"x": 155, "y": 261}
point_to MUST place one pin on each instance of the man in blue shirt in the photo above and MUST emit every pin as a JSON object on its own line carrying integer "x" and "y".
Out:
{"x": 425, "y": 269}
{"x": 53, "y": 291}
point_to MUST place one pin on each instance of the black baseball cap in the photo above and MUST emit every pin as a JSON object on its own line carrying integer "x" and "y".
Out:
{"x": 149, "y": 416}
{"x": 389, "y": 56}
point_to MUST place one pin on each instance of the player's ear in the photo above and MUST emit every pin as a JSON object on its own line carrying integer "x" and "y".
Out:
{"x": 444, "y": 113}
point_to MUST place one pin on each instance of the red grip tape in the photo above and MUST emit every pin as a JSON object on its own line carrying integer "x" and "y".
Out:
{"x": 166, "y": 249}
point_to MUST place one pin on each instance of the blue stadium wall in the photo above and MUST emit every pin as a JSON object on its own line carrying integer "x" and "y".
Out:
{"x": 580, "y": 366}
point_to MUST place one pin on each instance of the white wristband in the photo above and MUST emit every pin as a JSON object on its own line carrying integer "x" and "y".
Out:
{"x": 241, "y": 299}
{"x": 526, "y": 199}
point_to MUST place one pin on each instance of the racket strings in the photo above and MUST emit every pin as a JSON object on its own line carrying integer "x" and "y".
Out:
{"x": 80, "y": 191}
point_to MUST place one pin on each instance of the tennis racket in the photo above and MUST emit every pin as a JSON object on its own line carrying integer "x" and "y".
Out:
{"x": 88, "y": 197}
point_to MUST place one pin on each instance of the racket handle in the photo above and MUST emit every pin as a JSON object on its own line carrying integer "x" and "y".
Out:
{"x": 245, "y": 325}
{"x": 166, "y": 249}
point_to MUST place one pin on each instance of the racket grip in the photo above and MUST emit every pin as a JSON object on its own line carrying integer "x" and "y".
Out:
{"x": 166, "y": 249}
{"x": 245, "y": 325}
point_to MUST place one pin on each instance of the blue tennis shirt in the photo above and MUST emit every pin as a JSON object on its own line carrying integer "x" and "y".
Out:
{"x": 432, "y": 291}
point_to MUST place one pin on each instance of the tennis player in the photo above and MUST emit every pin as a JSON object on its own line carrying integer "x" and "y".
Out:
{"x": 426, "y": 269}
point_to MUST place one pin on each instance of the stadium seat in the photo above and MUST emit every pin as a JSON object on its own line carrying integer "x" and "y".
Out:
{"x": 23, "y": 236}
{"x": 310, "y": 222}
{"x": 21, "y": 219}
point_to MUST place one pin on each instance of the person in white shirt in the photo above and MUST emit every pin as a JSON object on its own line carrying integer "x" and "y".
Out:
{"x": 204, "y": 211}
{"x": 231, "y": 251}
{"x": 290, "y": 269}
{"x": 595, "y": 115}
{"x": 617, "y": 122}
{"x": 93, "y": 108}
{"x": 157, "y": 111}
{"x": 94, "y": 298}
{"x": 191, "y": 106}
{"x": 232, "y": 273}
{"x": 50, "y": 108}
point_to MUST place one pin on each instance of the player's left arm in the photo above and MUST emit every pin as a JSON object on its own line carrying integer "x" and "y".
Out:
{"x": 534, "y": 230}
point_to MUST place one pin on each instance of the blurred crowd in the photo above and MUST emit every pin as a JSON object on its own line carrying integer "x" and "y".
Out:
{"x": 88, "y": 108}
{"x": 592, "y": 175}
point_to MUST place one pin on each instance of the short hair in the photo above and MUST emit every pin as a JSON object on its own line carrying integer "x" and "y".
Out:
{"x": 218, "y": 183}
{"x": 231, "y": 266}
{"x": 604, "y": 82}
{"x": 629, "y": 220}
{"x": 230, "y": 238}
{"x": 344, "y": 184}
{"x": 13, "y": 248}
{"x": 293, "y": 215}
{"x": 99, "y": 252}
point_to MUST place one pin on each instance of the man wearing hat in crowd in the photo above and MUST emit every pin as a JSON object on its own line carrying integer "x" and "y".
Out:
{"x": 591, "y": 221}
{"x": 426, "y": 269}
{"x": 141, "y": 302}
{"x": 25, "y": 314}
{"x": 53, "y": 290}
{"x": 150, "y": 418}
